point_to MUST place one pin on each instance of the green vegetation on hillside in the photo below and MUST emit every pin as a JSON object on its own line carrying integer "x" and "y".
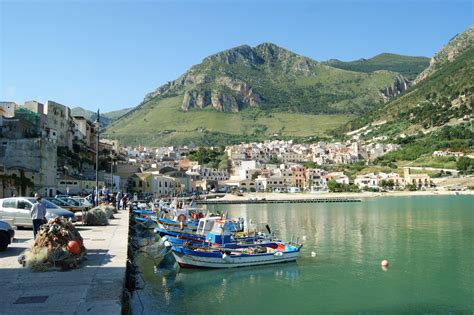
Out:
{"x": 214, "y": 158}
{"x": 444, "y": 95}
{"x": 454, "y": 138}
{"x": 408, "y": 66}
{"x": 161, "y": 122}
{"x": 292, "y": 83}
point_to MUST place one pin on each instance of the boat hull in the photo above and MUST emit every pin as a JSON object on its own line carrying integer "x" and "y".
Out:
{"x": 188, "y": 259}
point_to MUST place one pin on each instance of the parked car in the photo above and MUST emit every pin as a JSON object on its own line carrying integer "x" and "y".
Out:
{"x": 6, "y": 235}
{"x": 83, "y": 201}
{"x": 17, "y": 209}
{"x": 74, "y": 202}
{"x": 68, "y": 205}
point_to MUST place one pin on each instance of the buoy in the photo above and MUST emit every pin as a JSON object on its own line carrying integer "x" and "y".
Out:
{"x": 304, "y": 238}
{"x": 73, "y": 247}
{"x": 313, "y": 254}
{"x": 167, "y": 243}
{"x": 384, "y": 263}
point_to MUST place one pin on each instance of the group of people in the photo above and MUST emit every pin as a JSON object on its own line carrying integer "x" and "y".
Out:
{"x": 120, "y": 200}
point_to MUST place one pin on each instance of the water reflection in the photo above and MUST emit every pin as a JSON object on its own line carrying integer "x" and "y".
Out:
{"x": 339, "y": 266}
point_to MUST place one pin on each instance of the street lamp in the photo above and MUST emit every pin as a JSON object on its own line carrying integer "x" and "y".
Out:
{"x": 112, "y": 171}
{"x": 97, "y": 126}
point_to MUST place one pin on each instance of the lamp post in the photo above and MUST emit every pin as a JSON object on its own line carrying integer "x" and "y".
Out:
{"x": 97, "y": 125}
{"x": 112, "y": 171}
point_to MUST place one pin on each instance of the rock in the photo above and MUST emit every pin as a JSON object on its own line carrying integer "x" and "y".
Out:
{"x": 448, "y": 53}
{"x": 399, "y": 85}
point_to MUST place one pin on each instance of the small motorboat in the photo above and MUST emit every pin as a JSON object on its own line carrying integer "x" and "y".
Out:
{"x": 235, "y": 257}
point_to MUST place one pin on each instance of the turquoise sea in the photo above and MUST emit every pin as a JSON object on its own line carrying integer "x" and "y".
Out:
{"x": 428, "y": 241}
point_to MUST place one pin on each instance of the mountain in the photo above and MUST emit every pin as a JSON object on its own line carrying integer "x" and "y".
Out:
{"x": 252, "y": 93}
{"x": 273, "y": 78}
{"x": 442, "y": 94}
{"x": 408, "y": 66}
{"x": 105, "y": 118}
{"x": 457, "y": 45}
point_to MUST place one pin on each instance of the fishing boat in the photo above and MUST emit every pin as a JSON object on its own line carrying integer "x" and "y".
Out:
{"x": 216, "y": 232}
{"x": 235, "y": 257}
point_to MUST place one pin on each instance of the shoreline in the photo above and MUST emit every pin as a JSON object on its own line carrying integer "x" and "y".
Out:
{"x": 303, "y": 196}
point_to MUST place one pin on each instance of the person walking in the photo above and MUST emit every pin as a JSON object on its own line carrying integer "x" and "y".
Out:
{"x": 38, "y": 214}
{"x": 118, "y": 198}
{"x": 124, "y": 201}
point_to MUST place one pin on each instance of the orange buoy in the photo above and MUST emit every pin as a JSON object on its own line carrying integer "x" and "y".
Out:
{"x": 73, "y": 247}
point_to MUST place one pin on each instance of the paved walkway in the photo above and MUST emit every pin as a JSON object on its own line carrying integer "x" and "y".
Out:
{"x": 95, "y": 288}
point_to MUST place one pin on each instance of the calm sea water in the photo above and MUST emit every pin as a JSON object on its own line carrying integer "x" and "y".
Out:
{"x": 429, "y": 242}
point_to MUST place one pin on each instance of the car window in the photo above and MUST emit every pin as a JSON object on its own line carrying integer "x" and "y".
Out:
{"x": 22, "y": 204}
{"x": 49, "y": 204}
{"x": 9, "y": 203}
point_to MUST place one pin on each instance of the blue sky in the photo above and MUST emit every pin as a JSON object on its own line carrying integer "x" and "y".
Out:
{"x": 108, "y": 54}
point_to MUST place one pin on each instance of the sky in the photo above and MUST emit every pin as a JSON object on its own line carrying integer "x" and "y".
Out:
{"x": 108, "y": 54}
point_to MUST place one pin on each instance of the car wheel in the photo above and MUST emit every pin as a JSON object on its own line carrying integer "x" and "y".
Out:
{"x": 4, "y": 240}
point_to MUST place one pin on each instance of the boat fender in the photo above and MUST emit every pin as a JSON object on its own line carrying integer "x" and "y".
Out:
{"x": 162, "y": 240}
{"x": 278, "y": 254}
{"x": 226, "y": 257}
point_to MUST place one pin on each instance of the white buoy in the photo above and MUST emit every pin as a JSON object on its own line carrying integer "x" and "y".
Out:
{"x": 384, "y": 263}
{"x": 313, "y": 254}
{"x": 304, "y": 238}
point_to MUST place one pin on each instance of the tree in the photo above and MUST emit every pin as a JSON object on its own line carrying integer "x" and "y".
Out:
{"x": 255, "y": 175}
{"x": 387, "y": 184}
{"x": 465, "y": 165}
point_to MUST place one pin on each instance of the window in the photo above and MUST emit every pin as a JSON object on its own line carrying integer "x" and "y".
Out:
{"x": 9, "y": 203}
{"x": 22, "y": 204}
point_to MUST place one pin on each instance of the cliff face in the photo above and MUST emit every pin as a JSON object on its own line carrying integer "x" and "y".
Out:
{"x": 231, "y": 96}
{"x": 448, "y": 53}
{"x": 399, "y": 85}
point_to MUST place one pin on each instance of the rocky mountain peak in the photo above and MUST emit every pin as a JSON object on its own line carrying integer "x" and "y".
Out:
{"x": 240, "y": 54}
{"x": 448, "y": 53}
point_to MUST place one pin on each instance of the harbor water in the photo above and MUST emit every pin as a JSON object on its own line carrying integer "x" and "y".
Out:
{"x": 427, "y": 240}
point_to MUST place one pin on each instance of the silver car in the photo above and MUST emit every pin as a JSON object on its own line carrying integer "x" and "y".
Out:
{"x": 17, "y": 209}
{"x": 6, "y": 235}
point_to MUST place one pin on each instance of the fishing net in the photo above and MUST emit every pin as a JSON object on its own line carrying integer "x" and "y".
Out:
{"x": 109, "y": 206}
{"x": 109, "y": 211}
{"x": 97, "y": 216}
{"x": 52, "y": 249}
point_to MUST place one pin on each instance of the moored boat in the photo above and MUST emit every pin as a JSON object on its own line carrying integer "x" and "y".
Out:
{"x": 235, "y": 257}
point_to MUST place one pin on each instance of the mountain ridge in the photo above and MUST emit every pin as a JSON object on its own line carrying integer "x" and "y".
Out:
{"x": 105, "y": 118}
{"x": 442, "y": 95}
{"x": 246, "y": 93}
{"x": 408, "y": 66}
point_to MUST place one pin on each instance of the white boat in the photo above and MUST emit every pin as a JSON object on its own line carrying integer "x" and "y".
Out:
{"x": 232, "y": 258}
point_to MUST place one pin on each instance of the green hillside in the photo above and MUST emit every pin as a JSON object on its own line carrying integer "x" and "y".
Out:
{"x": 162, "y": 122}
{"x": 445, "y": 95}
{"x": 410, "y": 67}
{"x": 434, "y": 114}
{"x": 247, "y": 93}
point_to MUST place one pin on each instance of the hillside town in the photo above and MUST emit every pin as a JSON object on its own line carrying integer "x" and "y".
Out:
{"x": 44, "y": 148}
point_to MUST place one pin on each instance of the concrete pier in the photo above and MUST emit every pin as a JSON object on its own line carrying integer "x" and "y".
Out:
{"x": 95, "y": 288}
